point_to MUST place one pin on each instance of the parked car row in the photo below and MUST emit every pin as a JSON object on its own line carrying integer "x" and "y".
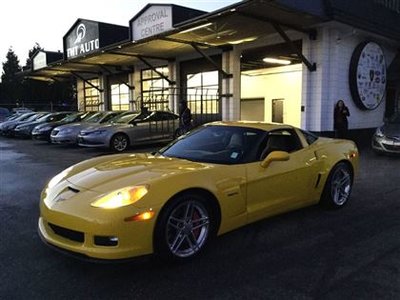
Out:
{"x": 108, "y": 129}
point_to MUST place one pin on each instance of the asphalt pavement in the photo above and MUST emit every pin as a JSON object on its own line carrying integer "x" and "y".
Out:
{"x": 312, "y": 253}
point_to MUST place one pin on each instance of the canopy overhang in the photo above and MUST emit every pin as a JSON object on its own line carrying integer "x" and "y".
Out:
{"x": 239, "y": 23}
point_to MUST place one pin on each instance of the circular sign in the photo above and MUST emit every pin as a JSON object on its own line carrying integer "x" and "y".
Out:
{"x": 368, "y": 75}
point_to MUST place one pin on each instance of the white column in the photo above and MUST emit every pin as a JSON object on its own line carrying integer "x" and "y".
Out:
{"x": 173, "y": 69}
{"x": 230, "y": 89}
{"x": 132, "y": 92}
{"x": 103, "y": 99}
{"x": 138, "y": 88}
{"x": 80, "y": 95}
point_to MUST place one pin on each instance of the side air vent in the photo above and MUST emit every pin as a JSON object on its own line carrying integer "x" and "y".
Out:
{"x": 73, "y": 189}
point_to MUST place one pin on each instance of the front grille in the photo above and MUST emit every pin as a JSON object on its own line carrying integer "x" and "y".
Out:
{"x": 106, "y": 241}
{"x": 72, "y": 235}
{"x": 73, "y": 189}
{"x": 391, "y": 147}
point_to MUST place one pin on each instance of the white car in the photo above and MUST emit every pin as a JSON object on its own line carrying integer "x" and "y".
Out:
{"x": 132, "y": 128}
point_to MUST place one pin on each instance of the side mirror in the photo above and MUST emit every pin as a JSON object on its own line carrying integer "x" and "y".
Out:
{"x": 275, "y": 156}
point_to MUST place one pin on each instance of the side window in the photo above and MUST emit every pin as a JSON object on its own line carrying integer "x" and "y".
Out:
{"x": 280, "y": 140}
{"x": 156, "y": 117}
{"x": 144, "y": 117}
{"x": 310, "y": 138}
{"x": 168, "y": 116}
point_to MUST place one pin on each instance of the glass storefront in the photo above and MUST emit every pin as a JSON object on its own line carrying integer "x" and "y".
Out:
{"x": 91, "y": 95}
{"x": 202, "y": 92}
{"x": 119, "y": 97}
{"x": 155, "y": 89}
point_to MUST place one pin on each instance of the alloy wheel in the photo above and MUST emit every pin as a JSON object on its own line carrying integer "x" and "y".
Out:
{"x": 187, "y": 228}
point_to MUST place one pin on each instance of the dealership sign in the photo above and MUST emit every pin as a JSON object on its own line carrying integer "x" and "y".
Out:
{"x": 154, "y": 20}
{"x": 82, "y": 39}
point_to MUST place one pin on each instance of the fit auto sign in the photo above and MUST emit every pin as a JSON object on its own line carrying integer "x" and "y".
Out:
{"x": 154, "y": 20}
{"x": 83, "y": 39}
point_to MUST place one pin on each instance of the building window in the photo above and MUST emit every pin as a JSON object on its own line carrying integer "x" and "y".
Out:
{"x": 155, "y": 89}
{"x": 91, "y": 95}
{"x": 393, "y": 5}
{"x": 202, "y": 92}
{"x": 119, "y": 97}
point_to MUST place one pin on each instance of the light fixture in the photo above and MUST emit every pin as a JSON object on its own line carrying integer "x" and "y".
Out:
{"x": 237, "y": 42}
{"x": 272, "y": 60}
{"x": 195, "y": 28}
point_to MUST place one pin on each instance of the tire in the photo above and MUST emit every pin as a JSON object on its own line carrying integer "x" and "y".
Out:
{"x": 184, "y": 228}
{"x": 338, "y": 186}
{"x": 119, "y": 142}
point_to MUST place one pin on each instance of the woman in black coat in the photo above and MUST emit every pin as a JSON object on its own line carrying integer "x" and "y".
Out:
{"x": 340, "y": 122}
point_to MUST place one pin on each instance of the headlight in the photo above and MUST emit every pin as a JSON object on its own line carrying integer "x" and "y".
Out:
{"x": 56, "y": 179}
{"x": 21, "y": 128}
{"x": 46, "y": 128}
{"x": 122, "y": 197}
{"x": 379, "y": 133}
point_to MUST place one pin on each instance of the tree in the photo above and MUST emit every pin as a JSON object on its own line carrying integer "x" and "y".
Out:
{"x": 35, "y": 48}
{"x": 11, "y": 85}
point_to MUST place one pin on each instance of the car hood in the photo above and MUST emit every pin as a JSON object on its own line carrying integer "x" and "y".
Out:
{"x": 31, "y": 124}
{"x": 117, "y": 171}
{"x": 74, "y": 126}
{"x": 391, "y": 130}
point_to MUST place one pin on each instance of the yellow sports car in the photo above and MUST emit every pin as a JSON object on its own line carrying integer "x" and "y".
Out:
{"x": 214, "y": 179}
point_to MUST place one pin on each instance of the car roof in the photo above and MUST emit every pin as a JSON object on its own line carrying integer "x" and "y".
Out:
{"x": 253, "y": 124}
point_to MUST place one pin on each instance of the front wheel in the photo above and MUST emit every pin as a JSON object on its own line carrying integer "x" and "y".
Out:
{"x": 119, "y": 142}
{"x": 183, "y": 228}
{"x": 338, "y": 186}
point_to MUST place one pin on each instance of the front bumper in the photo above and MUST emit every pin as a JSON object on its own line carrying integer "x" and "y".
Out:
{"x": 102, "y": 235}
{"x": 93, "y": 141}
{"x": 385, "y": 145}
{"x": 42, "y": 136}
{"x": 24, "y": 133}
{"x": 60, "y": 138}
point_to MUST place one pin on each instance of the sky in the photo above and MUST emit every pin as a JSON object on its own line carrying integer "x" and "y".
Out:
{"x": 26, "y": 22}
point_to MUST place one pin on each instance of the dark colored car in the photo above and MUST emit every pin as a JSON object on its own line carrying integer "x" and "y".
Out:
{"x": 387, "y": 137}
{"x": 25, "y": 130}
{"x": 7, "y": 127}
{"x": 42, "y": 131}
{"x": 4, "y": 113}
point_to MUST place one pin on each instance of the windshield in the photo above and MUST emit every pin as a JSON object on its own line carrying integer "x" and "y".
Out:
{"x": 125, "y": 117}
{"x": 218, "y": 144}
{"x": 43, "y": 117}
{"x": 95, "y": 118}
{"x": 72, "y": 117}
{"x": 35, "y": 117}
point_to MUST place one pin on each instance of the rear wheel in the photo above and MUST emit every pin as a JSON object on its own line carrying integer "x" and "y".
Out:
{"x": 338, "y": 186}
{"x": 184, "y": 228}
{"x": 119, "y": 142}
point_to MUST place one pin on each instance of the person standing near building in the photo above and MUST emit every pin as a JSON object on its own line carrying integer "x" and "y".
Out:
{"x": 340, "y": 122}
{"x": 185, "y": 117}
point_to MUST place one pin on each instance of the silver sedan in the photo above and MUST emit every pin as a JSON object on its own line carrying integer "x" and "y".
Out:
{"x": 387, "y": 137}
{"x": 132, "y": 128}
{"x": 68, "y": 134}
